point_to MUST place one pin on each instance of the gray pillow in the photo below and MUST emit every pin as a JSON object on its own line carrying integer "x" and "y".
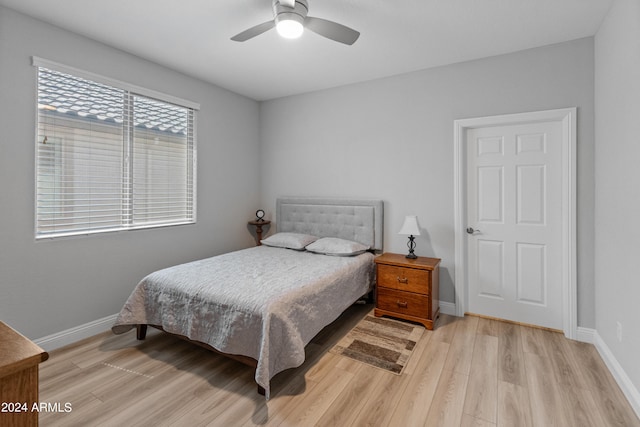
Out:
{"x": 337, "y": 247}
{"x": 295, "y": 241}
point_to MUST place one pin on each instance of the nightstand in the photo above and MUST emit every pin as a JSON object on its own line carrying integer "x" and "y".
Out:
{"x": 407, "y": 288}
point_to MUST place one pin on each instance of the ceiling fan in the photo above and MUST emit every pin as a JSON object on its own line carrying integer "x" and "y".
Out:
{"x": 290, "y": 19}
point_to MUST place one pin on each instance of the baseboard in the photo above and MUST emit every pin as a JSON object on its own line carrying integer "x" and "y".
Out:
{"x": 447, "y": 308}
{"x": 587, "y": 335}
{"x": 630, "y": 391}
{"x": 69, "y": 336}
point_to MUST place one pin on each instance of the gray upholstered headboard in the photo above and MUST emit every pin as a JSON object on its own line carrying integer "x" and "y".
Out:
{"x": 360, "y": 220}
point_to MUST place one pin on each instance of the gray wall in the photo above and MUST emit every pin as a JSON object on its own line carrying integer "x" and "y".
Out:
{"x": 617, "y": 207}
{"x": 393, "y": 139}
{"x": 53, "y": 285}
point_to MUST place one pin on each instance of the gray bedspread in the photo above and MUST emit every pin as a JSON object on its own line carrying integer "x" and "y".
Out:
{"x": 266, "y": 303}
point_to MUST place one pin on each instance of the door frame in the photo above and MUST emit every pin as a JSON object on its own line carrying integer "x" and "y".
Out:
{"x": 567, "y": 117}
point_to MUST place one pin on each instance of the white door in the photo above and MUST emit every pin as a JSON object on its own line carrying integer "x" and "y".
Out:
{"x": 514, "y": 220}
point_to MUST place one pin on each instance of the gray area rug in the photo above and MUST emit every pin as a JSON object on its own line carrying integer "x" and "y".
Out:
{"x": 381, "y": 342}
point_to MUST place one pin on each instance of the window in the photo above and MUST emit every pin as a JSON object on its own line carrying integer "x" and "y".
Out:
{"x": 110, "y": 156}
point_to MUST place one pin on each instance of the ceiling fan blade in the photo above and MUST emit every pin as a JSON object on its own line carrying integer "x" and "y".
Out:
{"x": 253, "y": 31}
{"x": 331, "y": 30}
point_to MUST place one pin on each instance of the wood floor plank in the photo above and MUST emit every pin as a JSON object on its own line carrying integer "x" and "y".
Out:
{"x": 544, "y": 393}
{"x": 531, "y": 340}
{"x": 601, "y": 384}
{"x": 481, "y": 399}
{"x": 563, "y": 364}
{"x": 280, "y": 405}
{"x": 83, "y": 381}
{"x": 614, "y": 408}
{"x": 581, "y": 408}
{"x": 418, "y": 352}
{"x": 110, "y": 345}
{"x": 81, "y": 406}
{"x": 163, "y": 381}
{"x": 416, "y": 398}
{"x": 346, "y": 408}
{"x": 378, "y": 410}
{"x": 589, "y": 363}
{"x": 217, "y": 400}
{"x": 445, "y": 329}
{"x": 243, "y": 403}
{"x": 316, "y": 401}
{"x": 323, "y": 365}
{"x": 488, "y": 327}
{"x": 514, "y": 407}
{"x": 348, "y": 364}
{"x": 459, "y": 356}
{"x": 57, "y": 370}
{"x": 511, "y": 354}
{"x": 469, "y": 421}
{"x": 447, "y": 405}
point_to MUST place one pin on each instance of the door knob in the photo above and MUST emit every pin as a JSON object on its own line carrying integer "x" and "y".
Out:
{"x": 470, "y": 230}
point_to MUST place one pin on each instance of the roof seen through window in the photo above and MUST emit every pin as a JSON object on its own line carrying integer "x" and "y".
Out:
{"x": 75, "y": 96}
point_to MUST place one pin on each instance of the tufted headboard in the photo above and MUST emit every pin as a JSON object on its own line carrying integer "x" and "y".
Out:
{"x": 360, "y": 220}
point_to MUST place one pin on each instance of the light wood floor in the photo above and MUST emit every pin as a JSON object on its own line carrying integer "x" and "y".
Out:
{"x": 468, "y": 372}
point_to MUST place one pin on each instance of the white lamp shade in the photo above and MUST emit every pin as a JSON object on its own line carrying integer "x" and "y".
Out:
{"x": 410, "y": 226}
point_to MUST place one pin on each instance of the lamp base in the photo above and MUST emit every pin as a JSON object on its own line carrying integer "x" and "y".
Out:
{"x": 411, "y": 245}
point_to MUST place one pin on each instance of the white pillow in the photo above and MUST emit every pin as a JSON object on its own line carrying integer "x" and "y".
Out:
{"x": 295, "y": 241}
{"x": 337, "y": 247}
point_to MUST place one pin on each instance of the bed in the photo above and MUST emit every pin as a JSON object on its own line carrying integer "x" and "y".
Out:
{"x": 262, "y": 305}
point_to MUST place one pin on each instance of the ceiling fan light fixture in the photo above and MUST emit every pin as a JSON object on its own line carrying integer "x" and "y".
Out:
{"x": 289, "y": 25}
{"x": 290, "y": 20}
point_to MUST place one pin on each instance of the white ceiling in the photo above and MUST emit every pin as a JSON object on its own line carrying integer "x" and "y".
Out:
{"x": 192, "y": 36}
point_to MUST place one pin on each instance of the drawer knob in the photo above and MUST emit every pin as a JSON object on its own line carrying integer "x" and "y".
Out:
{"x": 403, "y": 280}
{"x": 402, "y": 304}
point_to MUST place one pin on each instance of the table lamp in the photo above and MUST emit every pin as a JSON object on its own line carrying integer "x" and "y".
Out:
{"x": 410, "y": 228}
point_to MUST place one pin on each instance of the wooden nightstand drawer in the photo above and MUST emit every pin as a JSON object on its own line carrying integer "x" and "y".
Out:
{"x": 403, "y": 302}
{"x": 403, "y": 279}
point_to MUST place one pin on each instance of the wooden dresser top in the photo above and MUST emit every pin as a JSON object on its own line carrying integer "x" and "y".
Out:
{"x": 400, "y": 260}
{"x": 17, "y": 352}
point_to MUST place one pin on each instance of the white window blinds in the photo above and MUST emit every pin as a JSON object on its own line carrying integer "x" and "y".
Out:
{"x": 108, "y": 158}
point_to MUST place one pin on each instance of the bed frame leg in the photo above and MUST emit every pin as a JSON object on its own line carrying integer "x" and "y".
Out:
{"x": 141, "y": 332}
{"x": 261, "y": 390}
